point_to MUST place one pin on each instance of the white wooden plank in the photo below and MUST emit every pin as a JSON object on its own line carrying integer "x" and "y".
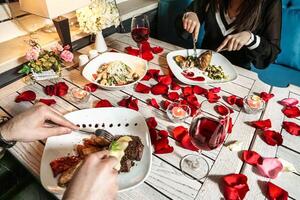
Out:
{"x": 227, "y": 161}
{"x": 289, "y": 182}
{"x": 289, "y": 156}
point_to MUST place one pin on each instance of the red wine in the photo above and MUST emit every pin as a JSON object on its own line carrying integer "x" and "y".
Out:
{"x": 207, "y": 133}
{"x": 140, "y": 34}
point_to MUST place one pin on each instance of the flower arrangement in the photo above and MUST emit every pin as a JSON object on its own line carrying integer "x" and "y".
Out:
{"x": 45, "y": 62}
{"x": 100, "y": 14}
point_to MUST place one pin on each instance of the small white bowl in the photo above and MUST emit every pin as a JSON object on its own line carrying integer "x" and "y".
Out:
{"x": 138, "y": 65}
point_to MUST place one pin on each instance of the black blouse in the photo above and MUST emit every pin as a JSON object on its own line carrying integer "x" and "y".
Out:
{"x": 265, "y": 41}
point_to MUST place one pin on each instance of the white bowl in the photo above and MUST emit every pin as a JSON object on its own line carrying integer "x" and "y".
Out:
{"x": 138, "y": 65}
{"x": 131, "y": 123}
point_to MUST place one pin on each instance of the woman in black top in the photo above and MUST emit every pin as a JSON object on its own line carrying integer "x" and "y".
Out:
{"x": 244, "y": 31}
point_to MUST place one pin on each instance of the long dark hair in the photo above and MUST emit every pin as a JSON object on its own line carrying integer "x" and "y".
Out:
{"x": 249, "y": 13}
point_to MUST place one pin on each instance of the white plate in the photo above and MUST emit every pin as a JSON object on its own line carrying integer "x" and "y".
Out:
{"x": 131, "y": 123}
{"x": 217, "y": 59}
{"x": 138, "y": 65}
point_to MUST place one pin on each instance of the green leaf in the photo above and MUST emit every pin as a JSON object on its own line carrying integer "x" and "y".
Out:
{"x": 114, "y": 146}
{"x": 25, "y": 70}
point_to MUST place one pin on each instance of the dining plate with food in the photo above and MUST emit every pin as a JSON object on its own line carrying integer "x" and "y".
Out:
{"x": 115, "y": 71}
{"x": 130, "y": 144}
{"x": 208, "y": 67}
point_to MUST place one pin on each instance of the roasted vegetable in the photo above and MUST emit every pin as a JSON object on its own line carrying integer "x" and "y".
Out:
{"x": 205, "y": 59}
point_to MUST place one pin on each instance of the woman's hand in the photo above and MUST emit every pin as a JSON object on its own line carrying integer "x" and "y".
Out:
{"x": 235, "y": 42}
{"x": 95, "y": 179}
{"x": 191, "y": 23}
{"x": 31, "y": 125}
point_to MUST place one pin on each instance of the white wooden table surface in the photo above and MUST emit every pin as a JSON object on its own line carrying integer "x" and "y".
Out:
{"x": 166, "y": 180}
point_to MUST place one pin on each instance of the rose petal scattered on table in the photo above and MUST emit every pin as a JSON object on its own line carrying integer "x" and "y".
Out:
{"x": 26, "y": 96}
{"x": 235, "y": 186}
{"x": 103, "y": 103}
{"x": 266, "y": 96}
{"x": 132, "y": 51}
{"x": 287, "y": 166}
{"x": 272, "y": 137}
{"x": 151, "y": 122}
{"x": 276, "y": 193}
{"x": 212, "y": 97}
{"x": 290, "y": 102}
{"x": 129, "y": 103}
{"x": 231, "y": 99}
{"x": 153, "y": 135}
{"x": 175, "y": 86}
{"x": 239, "y": 102}
{"x": 163, "y": 133}
{"x": 48, "y": 102}
{"x": 59, "y": 89}
{"x": 153, "y": 102}
{"x": 157, "y": 49}
{"x": 187, "y": 91}
{"x": 90, "y": 87}
{"x": 164, "y": 79}
{"x": 147, "y": 56}
{"x": 292, "y": 128}
{"x": 179, "y": 132}
{"x": 251, "y": 157}
{"x": 234, "y": 146}
{"x": 199, "y": 90}
{"x": 141, "y": 88}
{"x": 187, "y": 144}
{"x": 222, "y": 110}
{"x": 192, "y": 100}
{"x": 173, "y": 96}
{"x": 262, "y": 124}
{"x": 270, "y": 167}
{"x": 159, "y": 89}
{"x": 230, "y": 126}
{"x": 291, "y": 112}
{"x": 215, "y": 90}
{"x": 153, "y": 73}
{"x": 165, "y": 104}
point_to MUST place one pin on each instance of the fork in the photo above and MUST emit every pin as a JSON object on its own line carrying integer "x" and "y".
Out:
{"x": 195, "y": 48}
{"x": 99, "y": 132}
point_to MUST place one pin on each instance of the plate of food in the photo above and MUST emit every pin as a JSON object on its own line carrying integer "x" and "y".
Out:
{"x": 208, "y": 67}
{"x": 115, "y": 71}
{"x": 131, "y": 145}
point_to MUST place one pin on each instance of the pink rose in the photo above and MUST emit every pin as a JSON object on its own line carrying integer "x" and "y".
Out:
{"x": 33, "y": 54}
{"x": 67, "y": 56}
{"x": 57, "y": 49}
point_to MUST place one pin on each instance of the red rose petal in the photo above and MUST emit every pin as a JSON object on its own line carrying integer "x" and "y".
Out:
{"x": 163, "y": 133}
{"x": 50, "y": 90}
{"x": 215, "y": 90}
{"x": 199, "y": 90}
{"x": 186, "y": 91}
{"x": 179, "y": 132}
{"x": 239, "y": 102}
{"x": 48, "y": 102}
{"x": 272, "y": 138}
{"x": 153, "y": 73}
{"x": 236, "y": 186}
{"x": 173, "y": 96}
{"x": 231, "y": 99}
{"x": 129, "y": 103}
{"x": 175, "y": 86}
{"x": 223, "y": 110}
{"x": 147, "y": 77}
{"x": 165, "y": 104}
{"x": 153, "y": 135}
{"x": 212, "y": 97}
{"x": 147, "y": 55}
{"x": 153, "y": 102}
{"x": 26, "y": 96}
{"x": 141, "y": 88}
{"x": 61, "y": 89}
{"x": 230, "y": 126}
{"x": 166, "y": 79}
{"x": 187, "y": 144}
{"x": 291, "y": 112}
{"x": 132, "y": 51}
{"x": 291, "y": 128}
{"x": 193, "y": 101}
{"x": 151, "y": 122}
{"x": 276, "y": 193}
{"x": 161, "y": 143}
{"x": 251, "y": 157}
{"x": 90, "y": 87}
{"x": 262, "y": 124}
{"x": 266, "y": 96}
{"x": 157, "y": 49}
{"x": 159, "y": 89}
{"x": 165, "y": 150}
{"x": 103, "y": 103}
{"x": 290, "y": 102}
{"x": 145, "y": 47}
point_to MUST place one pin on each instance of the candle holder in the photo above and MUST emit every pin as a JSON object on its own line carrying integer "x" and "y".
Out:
{"x": 253, "y": 104}
{"x": 78, "y": 95}
{"x": 178, "y": 112}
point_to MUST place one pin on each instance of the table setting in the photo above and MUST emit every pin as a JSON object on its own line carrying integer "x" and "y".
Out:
{"x": 203, "y": 128}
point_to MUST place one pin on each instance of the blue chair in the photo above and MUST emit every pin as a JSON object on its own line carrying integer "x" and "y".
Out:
{"x": 285, "y": 70}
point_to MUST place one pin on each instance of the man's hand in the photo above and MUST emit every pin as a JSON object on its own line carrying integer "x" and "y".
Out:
{"x": 31, "y": 125}
{"x": 95, "y": 179}
{"x": 235, "y": 42}
{"x": 191, "y": 23}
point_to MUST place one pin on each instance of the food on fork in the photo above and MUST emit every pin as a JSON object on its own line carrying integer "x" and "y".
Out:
{"x": 115, "y": 73}
{"x": 126, "y": 148}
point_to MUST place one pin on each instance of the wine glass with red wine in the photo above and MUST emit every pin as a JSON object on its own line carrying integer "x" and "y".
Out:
{"x": 140, "y": 30}
{"x": 208, "y": 131}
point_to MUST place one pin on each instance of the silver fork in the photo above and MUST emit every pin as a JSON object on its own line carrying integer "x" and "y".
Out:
{"x": 195, "y": 48}
{"x": 99, "y": 132}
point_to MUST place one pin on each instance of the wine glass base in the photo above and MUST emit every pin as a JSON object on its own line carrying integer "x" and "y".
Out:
{"x": 194, "y": 166}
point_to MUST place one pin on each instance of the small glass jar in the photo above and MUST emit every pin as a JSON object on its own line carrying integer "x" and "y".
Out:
{"x": 178, "y": 112}
{"x": 253, "y": 104}
{"x": 79, "y": 95}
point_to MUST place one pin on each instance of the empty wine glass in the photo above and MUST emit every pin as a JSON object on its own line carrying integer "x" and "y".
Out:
{"x": 207, "y": 132}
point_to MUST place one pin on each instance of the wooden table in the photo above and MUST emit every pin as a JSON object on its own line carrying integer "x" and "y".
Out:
{"x": 166, "y": 180}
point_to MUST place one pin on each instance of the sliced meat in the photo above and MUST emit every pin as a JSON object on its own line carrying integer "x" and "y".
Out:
{"x": 67, "y": 176}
